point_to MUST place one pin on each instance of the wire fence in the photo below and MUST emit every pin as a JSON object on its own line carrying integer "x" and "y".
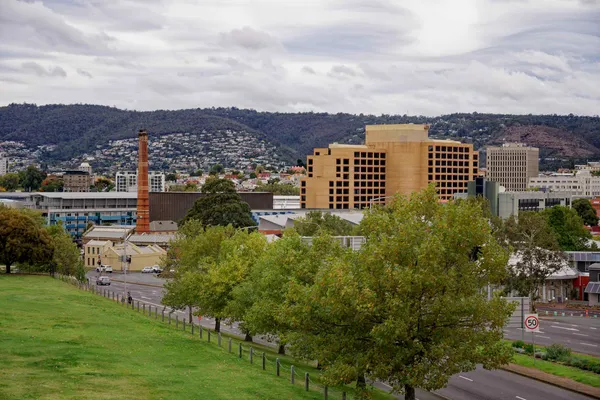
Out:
{"x": 235, "y": 346}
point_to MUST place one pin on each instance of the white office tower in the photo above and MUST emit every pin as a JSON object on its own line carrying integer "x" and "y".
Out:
{"x": 126, "y": 181}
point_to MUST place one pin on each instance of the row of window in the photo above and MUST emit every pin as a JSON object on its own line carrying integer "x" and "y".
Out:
{"x": 452, "y": 156}
{"x": 444, "y": 163}
{"x": 448, "y": 178}
{"x": 454, "y": 149}
{"x": 444, "y": 170}
{"x": 368, "y": 154}
{"x": 369, "y": 162}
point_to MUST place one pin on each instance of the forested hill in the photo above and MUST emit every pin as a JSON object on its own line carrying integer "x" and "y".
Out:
{"x": 79, "y": 128}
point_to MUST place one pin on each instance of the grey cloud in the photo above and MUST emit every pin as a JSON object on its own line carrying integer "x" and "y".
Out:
{"x": 341, "y": 71}
{"x": 83, "y": 72}
{"x": 37, "y": 69}
{"x": 247, "y": 38}
{"x": 308, "y": 70}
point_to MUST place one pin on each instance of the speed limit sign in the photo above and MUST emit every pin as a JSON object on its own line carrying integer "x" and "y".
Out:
{"x": 532, "y": 323}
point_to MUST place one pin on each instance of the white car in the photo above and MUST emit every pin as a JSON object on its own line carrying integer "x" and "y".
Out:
{"x": 147, "y": 270}
{"x": 103, "y": 280}
{"x": 108, "y": 268}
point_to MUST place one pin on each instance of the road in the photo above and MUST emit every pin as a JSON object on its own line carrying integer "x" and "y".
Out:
{"x": 475, "y": 385}
{"x": 581, "y": 334}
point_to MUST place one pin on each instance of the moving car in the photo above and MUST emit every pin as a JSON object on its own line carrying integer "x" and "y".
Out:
{"x": 147, "y": 270}
{"x": 108, "y": 269}
{"x": 104, "y": 268}
{"x": 103, "y": 280}
{"x": 156, "y": 269}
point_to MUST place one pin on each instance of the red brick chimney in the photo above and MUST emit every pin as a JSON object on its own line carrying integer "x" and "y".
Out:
{"x": 143, "y": 204}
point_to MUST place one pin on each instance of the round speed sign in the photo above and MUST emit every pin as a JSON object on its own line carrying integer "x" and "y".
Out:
{"x": 532, "y": 323}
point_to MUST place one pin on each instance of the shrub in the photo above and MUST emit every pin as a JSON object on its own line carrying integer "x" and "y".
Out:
{"x": 558, "y": 352}
{"x": 528, "y": 348}
{"x": 518, "y": 344}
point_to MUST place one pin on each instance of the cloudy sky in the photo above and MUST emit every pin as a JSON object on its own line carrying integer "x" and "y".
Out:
{"x": 373, "y": 56}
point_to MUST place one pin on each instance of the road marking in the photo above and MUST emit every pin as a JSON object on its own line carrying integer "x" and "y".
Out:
{"x": 544, "y": 337}
{"x": 144, "y": 297}
{"x": 465, "y": 378}
{"x": 567, "y": 329}
{"x": 588, "y": 344}
{"x": 580, "y": 334}
{"x": 591, "y": 327}
{"x": 520, "y": 398}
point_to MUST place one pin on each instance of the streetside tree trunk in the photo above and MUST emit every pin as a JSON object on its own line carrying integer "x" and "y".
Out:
{"x": 217, "y": 324}
{"x": 361, "y": 382}
{"x": 409, "y": 392}
{"x": 8, "y": 268}
{"x": 281, "y": 349}
{"x": 191, "y": 317}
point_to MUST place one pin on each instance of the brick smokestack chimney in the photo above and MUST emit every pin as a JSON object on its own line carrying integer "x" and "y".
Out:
{"x": 143, "y": 204}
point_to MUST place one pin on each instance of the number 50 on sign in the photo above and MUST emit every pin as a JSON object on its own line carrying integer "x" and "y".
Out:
{"x": 532, "y": 323}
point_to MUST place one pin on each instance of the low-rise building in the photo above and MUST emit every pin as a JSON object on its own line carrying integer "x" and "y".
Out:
{"x": 125, "y": 256}
{"x": 76, "y": 181}
{"x": 511, "y": 203}
{"x": 126, "y": 181}
{"x": 582, "y": 183}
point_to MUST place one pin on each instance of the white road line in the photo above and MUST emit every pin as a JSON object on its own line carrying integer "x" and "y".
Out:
{"x": 580, "y": 334}
{"x": 144, "y": 297}
{"x": 544, "y": 337}
{"x": 591, "y": 327}
{"x": 465, "y": 378}
{"x": 588, "y": 344}
{"x": 567, "y": 329}
{"x": 520, "y": 398}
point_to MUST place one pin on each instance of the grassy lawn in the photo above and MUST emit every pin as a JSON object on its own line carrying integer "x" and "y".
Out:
{"x": 576, "y": 374}
{"x": 57, "y": 342}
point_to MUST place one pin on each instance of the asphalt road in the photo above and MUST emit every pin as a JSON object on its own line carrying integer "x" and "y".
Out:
{"x": 475, "y": 385}
{"x": 581, "y": 334}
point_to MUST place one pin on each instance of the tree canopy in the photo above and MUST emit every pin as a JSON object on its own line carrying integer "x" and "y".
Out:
{"x": 22, "y": 239}
{"x": 222, "y": 206}
{"x": 317, "y": 221}
{"x": 568, "y": 227}
{"x": 584, "y": 209}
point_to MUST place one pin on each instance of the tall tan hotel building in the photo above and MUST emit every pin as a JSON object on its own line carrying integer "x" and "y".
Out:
{"x": 394, "y": 159}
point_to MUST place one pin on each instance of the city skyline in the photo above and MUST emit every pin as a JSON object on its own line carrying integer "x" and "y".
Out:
{"x": 426, "y": 57}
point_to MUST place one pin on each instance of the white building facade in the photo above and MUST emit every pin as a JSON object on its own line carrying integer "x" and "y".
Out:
{"x": 582, "y": 183}
{"x": 3, "y": 165}
{"x": 126, "y": 181}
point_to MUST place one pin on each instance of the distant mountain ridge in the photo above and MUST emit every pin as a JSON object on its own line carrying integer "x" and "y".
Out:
{"x": 78, "y": 128}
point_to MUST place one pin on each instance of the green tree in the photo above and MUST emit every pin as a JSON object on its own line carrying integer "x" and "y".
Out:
{"x": 252, "y": 175}
{"x": 22, "y": 239}
{"x": 259, "y": 169}
{"x": 197, "y": 172}
{"x": 280, "y": 189}
{"x": 31, "y": 179}
{"x": 66, "y": 258}
{"x": 221, "y": 205}
{"x": 568, "y": 226}
{"x": 536, "y": 253}
{"x": 316, "y": 221}
{"x": 216, "y": 169}
{"x": 10, "y": 181}
{"x": 53, "y": 184}
{"x": 586, "y": 211}
{"x": 171, "y": 177}
{"x": 408, "y": 308}
{"x": 103, "y": 185}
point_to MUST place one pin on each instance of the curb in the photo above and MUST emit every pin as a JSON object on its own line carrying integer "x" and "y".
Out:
{"x": 551, "y": 380}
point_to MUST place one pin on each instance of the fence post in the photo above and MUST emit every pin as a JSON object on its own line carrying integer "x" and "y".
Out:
{"x": 326, "y": 392}
{"x": 169, "y": 318}
{"x": 156, "y": 313}
{"x": 251, "y": 355}
{"x": 306, "y": 381}
{"x": 219, "y": 339}
{"x": 138, "y": 306}
{"x": 292, "y": 374}
{"x": 200, "y": 331}
{"x": 264, "y": 361}
{"x": 343, "y": 395}
{"x": 230, "y": 345}
{"x": 277, "y": 366}
{"x": 192, "y": 328}
{"x": 144, "y": 308}
{"x": 184, "y": 324}
{"x": 208, "y": 335}
{"x": 177, "y": 321}
{"x": 163, "y": 315}
{"x": 240, "y": 351}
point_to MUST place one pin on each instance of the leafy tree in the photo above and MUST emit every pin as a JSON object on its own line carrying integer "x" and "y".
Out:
{"x": 585, "y": 211}
{"x": 66, "y": 259}
{"x": 259, "y": 169}
{"x": 216, "y": 169}
{"x": 281, "y": 189}
{"x": 197, "y": 172}
{"x": 22, "y": 239}
{"x": 10, "y": 181}
{"x": 408, "y": 308}
{"x": 252, "y": 175}
{"x": 536, "y": 253}
{"x": 171, "y": 177}
{"x": 31, "y": 179}
{"x": 316, "y": 221}
{"x": 222, "y": 206}
{"x": 52, "y": 184}
{"x": 103, "y": 185}
{"x": 568, "y": 227}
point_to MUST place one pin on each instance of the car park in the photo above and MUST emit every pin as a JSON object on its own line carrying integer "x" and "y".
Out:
{"x": 103, "y": 280}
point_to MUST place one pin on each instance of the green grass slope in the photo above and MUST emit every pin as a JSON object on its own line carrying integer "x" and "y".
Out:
{"x": 57, "y": 342}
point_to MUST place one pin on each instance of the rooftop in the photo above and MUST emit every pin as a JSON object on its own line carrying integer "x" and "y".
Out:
{"x": 86, "y": 195}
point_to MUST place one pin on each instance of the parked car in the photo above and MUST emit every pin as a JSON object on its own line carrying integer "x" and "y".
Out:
{"x": 156, "y": 269}
{"x": 103, "y": 280}
{"x": 147, "y": 270}
{"x": 108, "y": 269}
{"x": 100, "y": 268}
